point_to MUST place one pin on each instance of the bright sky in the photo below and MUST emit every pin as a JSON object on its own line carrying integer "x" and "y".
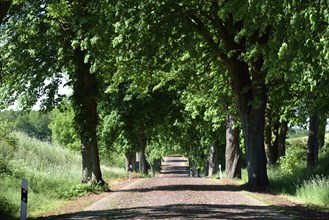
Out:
{"x": 63, "y": 90}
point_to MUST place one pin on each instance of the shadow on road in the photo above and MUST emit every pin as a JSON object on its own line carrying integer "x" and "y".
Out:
{"x": 199, "y": 211}
{"x": 187, "y": 188}
{"x": 191, "y": 211}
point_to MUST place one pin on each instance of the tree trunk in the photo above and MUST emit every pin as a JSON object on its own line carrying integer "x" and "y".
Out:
{"x": 86, "y": 175}
{"x": 155, "y": 166}
{"x": 283, "y": 129}
{"x": 251, "y": 102}
{"x": 232, "y": 150}
{"x": 275, "y": 143}
{"x": 97, "y": 174}
{"x": 142, "y": 157}
{"x": 213, "y": 159}
{"x": 268, "y": 136}
{"x": 86, "y": 118}
{"x": 130, "y": 160}
{"x": 322, "y": 131}
{"x": 312, "y": 148}
{"x": 193, "y": 168}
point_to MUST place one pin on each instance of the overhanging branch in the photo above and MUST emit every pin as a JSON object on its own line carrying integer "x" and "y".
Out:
{"x": 4, "y": 8}
{"x": 201, "y": 29}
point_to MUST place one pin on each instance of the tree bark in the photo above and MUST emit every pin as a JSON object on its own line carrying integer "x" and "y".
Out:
{"x": 213, "y": 159}
{"x": 251, "y": 102}
{"x": 275, "y": 143}
{"x": 232, "y": 150}
{"x": 142, "y": 157}
{"x": 268, "y": 136}
{"x": 322, "y": 131}
{"x": 155, "y": 166}
{"x": 312, "y": 148}
{"x": 283, "y": 129}
{"x": 97, "y": 174}
{"x": 86, "y": 118}
{"x": 86, "y": 175}
{"x": 142, "y": 162}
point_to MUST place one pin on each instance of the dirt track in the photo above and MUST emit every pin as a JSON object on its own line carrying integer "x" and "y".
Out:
{"x": 176, "y": 196}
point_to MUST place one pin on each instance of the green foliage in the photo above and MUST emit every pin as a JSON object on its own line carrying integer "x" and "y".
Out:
{"x": 33, "y": 123}
{"x": 112, "y": 133}
{"x": 63, "y": 128}
{"x": 295, "y": 157}
{"x": 165, "y": 68}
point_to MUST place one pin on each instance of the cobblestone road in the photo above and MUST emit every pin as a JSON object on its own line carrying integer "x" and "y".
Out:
{"x": 176, "y": 196}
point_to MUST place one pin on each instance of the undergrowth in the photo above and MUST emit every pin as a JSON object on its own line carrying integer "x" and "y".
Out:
{"x": 292, "y": 177}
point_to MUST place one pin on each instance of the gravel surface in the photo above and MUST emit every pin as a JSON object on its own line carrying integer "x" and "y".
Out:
{"x": 176, "y": 196}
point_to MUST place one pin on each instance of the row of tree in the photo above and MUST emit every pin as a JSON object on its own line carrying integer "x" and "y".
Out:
{"x": 173, "y": 75}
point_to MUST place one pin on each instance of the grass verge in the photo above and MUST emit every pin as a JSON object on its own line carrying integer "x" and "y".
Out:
{"x": 53, "y": 173}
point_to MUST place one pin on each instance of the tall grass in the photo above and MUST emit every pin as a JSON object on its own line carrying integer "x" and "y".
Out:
{"x": 292, "y": 177}
{"x": 315, "y": 191}
{"x": 53, "y": 173}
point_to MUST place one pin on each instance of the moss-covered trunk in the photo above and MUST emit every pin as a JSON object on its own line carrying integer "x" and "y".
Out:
{"x": 269, "y": 148}
{"x": 86, "y": 117}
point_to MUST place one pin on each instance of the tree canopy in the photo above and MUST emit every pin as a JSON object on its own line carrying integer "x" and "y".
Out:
{"x": 170, "y": 76}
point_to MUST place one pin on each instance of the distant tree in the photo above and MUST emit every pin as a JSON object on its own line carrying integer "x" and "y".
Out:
{"x": 63, "y": 128}
{"x": 33, "y": 123}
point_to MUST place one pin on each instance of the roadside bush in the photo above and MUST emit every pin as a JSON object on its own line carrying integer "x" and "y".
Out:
{"x": 294, "y": 158}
